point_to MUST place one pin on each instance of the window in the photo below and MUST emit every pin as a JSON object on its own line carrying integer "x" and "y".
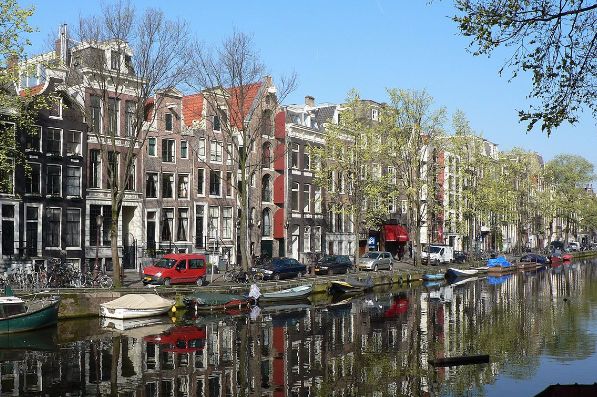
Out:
{"x": 96, "y": 114}
{"x": 196, "y": 263}
{"x": 167, "y": 185}
{"x": 129, "y": 118}
{"x": 200, "y": 181}
{"x": 8, "y": 229}
{"x": 214, "y": 221}
{"x": 53, "y": 180}
{"x": 168, "y": 150}
{"x": 167, "y": 223}
{"x": 266, "y": 123}
{"x": 306, "y": 159}
{"x": 101, "y": 233}
{"x": 317, "y": 239}
{"x": 168, "y": 121}
{"x": 266, "y": 155}
{"x": 32, "y": 179}
{"x": 307, "y": 239}
{"x": 73, "y": 227}
{"x": 32, "y": 229}
{"x": 217, "y": 123}
{"x": 215, "y": 153}
{"x": 339, "y": 222}
{"x": 318, "y": 200}
{"x": 227, "y": 222}
{"x": 151, "y": 147}
{"x": 33, "y": 139}
{"x": 374, "y": 114}
{"x": 201, "y": 148}
{"x": 252, "y": 179}
{"x": 182, "y": 233}
{"x": 294, "y": 155}
{"x": 130, "y": 177}
{"x": 252, "y": 216}
{"x": 266, "y": 189}
{"x": 266, "y": 223}
{"x": 52, "y": 233}
{"x": 113, "y": 116}
{"x": 73, "y": 143}
{"x": 115, "y": 60}
{"x": 73, "y": 181}
{"x": 112, "y": 169}
{"x": 184, "y": 150}
{"x": 306, "y": 198}
{"x": 183, "y": 186}
{"x": 228, "y": 184}
{"x": 295, "y": 196}
{"x": 56, "y": 108}
{"x": 214, "y": 183}
{"x": 199, "y": 218}
{"x": 151, "y": 185}
{"x": 94, "y": 168}
{"x": 229, "y": 154}
{"x": 151, "y": 228}
{"x": 54, "y": 141}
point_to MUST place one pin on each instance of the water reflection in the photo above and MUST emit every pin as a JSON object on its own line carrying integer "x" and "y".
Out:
{"x": 375, "y": 345}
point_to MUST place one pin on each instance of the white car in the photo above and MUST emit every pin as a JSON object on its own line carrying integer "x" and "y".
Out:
{"x": 375, "y": 260}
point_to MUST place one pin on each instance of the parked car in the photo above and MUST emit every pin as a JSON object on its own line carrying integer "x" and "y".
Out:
{"x": 331, "y": 264}
{"x": 279, "y": 268}
{"x": 177, "y": 269}
{"x": 374, "y": 260}
{"x": 574, "y": 246}
{"x": 438, "y": 254}
{"x": 460, "y": 257}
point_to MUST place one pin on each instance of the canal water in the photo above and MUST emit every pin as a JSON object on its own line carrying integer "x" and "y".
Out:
{"x": 539, "y": 328}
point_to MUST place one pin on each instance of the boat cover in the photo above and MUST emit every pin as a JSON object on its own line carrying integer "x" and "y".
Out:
{"x": 500, "y": 261}
{"x": 139, "y": 301}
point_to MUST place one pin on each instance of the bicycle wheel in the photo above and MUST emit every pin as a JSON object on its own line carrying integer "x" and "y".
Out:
{"x": 106, "y": 281}
{"x": 229, "y": 276}
{"x": 257, "y": 277}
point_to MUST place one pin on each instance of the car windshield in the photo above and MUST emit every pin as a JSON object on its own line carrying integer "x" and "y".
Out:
{"x": 434, "y": 250}
{"x": 165, "y": 263}
{"x": 371, "y": 255}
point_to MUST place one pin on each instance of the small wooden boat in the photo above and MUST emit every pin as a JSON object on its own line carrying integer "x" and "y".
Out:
{"x": 433, "y": 277}
{"x": 136, "y": 306}
{"x": 290, "y": 294}
{"x": 499, "y": 265}
{"x": 212, "y": 301}
{"x": 567, "y": 257}
{"x": 18, "y": 315}
{"x": 453, "y": 273}
{"x": 351, "y": 284}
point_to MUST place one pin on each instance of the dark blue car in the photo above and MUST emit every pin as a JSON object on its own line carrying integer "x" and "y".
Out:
{"x": 279, "y": 268}
{"x": 534, "y": 258}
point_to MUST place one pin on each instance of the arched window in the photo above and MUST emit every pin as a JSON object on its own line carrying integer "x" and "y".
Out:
{"x": 266, "y": 223}
{"x": 266, "y": 155}
{"x": 267, "y": 123}
{"x": 266, "y": 189}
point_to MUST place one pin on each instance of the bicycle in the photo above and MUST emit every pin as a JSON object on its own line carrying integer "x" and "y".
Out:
{"x": 97, "y": 278}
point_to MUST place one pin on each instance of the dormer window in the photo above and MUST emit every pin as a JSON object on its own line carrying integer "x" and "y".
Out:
{"x": 115, "y": 60}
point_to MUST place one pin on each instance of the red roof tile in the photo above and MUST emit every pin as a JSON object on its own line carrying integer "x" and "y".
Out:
{"x": 192, "y": 108}
{"x": 35, "y": 90}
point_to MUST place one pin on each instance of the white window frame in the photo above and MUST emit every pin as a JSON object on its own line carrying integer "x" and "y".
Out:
{"x": 201, "y": 147}
{"x": 306, "y": 203}
{"x": 173, "y": 185}
{"x": 80, "y": 180}
{"x": 59, "y": 184}
{"x": 178, "y": 225}
{"x": 202, "y": 194}
{"x": 307, "y": 239}
{"x": 157, "y": 186}
{"x": 229, "y": 157}
{"x": 155, "y": 146}
{"x": 374, "y": 114}
{"x": 317, "y": 200}
{"x": 39, "y": 140}
{"x": 215, "y": 148}
{"x": 294, "y": 151}
{"x": 79, "y": 231}
{"x": 295, "y": 203}
{"x": 39, "y": 181}
{"x": 231, "y": 223}
{"x": 220, "y": 178}
{"x": 59, "y": 117}
{"x": 61, "y": 149}
{"x": 213, "y": 234}
{"x": 168, "y": 140}
{"x": 59, "y": 228}
{"x": 186, "y": 156}
{"x": 178, "y": 176}
{"x": 40, "y": 214}
{"x": 79, "y": 146}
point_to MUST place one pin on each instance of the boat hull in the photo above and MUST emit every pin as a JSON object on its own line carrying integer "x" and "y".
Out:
{"x": 291, "y": 294}
{"x": 461, "y": 273}
{"x": 433, "y": 277}
{"x": 501, "y": 270}
{"x": 35, "y": 318}
{"x": 126, "y": 314}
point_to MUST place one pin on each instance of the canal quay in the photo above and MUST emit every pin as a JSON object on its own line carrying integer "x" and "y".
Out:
{"x": 538, "y": 327}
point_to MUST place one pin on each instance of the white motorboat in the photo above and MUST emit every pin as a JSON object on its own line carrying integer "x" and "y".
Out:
{"x": 136, "y": 306}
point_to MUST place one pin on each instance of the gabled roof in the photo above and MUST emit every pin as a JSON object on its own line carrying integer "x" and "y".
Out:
{"x": 192, "y": 108}
{"x": 35, "y": 90}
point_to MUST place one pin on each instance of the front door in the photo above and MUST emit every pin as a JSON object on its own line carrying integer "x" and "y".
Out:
{"x": 267, "y": 248}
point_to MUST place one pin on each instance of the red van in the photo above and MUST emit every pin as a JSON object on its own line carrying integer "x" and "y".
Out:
{"x": 177, "y": 269}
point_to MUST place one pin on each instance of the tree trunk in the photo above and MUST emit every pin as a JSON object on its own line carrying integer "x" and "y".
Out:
{"x": 114, "y": 247}
{"x": 244, "y": 216}
{"x": 114, "y": 368}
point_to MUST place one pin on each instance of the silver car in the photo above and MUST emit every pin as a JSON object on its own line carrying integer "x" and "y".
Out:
{"x": 374, "y": 260}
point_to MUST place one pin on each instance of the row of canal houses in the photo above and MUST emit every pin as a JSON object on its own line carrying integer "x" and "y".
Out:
{"x": 180, "y": 195}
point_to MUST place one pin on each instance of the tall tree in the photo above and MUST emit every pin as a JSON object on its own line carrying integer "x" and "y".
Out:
{"x": 242, "y": 100}
{"x": 413, "y": 132}
{"x": 124, "y": 57}
{"x": 350, "y": 167}
{"x": 569, "y": 175}
{"x": 555, "y": 41}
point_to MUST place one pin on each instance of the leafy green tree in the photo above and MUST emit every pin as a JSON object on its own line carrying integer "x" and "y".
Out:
{"x": 350, "y": 167}
{"x": 554, "y": 41}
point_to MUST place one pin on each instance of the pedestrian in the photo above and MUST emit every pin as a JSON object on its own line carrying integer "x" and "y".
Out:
{"x": 410, "y": 250}
{"x": 400, "y": 252}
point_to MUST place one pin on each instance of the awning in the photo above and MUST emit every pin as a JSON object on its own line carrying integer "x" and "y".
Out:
{"x": 395, "y": 233}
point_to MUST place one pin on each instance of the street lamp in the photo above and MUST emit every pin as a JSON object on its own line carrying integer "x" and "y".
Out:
{"x": 99, "y": 221}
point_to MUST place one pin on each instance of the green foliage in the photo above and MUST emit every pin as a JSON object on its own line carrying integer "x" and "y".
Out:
{"x": 553, "y": 41}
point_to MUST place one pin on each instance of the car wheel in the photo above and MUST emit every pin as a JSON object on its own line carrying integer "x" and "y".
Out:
{"x": 200, "y": 281}
{"x": 276, "y": 277}
{"x": 375, "y": 268}
{"x": 299, "y": 275}
{"x": 167, "y": 282}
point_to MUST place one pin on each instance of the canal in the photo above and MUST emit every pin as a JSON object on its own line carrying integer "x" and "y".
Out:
{"x": 539, "y": 328}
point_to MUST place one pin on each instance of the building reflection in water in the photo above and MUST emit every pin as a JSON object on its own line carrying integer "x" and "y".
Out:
{"x": 377, "y": 345}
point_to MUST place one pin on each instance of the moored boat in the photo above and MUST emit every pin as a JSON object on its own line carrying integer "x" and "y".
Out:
{"x": 351, "y": 284}
{"x": 499, "y": 265}
{"x": 433, "y": 277}
{"x": 567, "y": 257}
{"x": 461, "y": 273}
{"x": 212, "y": 301}
{"x": 136, "y": 306}
{"x": 290, "y": 294}
{"x": 534, "y": 258}
{"x": 18, "y": 315}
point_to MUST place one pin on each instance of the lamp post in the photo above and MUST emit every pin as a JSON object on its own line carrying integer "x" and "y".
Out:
{"x": 99, "y": 221}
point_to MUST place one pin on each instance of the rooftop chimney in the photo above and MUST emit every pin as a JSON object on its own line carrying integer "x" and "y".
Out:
{"x": 62, "y": 44}
{"x": 310, "y": 101}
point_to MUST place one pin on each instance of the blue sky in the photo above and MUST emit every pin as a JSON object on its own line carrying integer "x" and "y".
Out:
{"x": 337, "y": 45}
